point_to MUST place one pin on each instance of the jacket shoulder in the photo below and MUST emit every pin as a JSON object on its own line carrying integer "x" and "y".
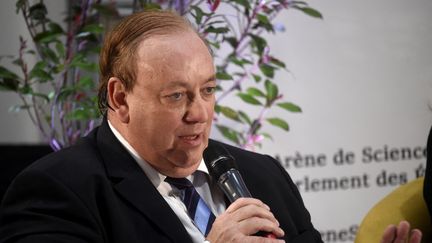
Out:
{"x": 72, "y": 164}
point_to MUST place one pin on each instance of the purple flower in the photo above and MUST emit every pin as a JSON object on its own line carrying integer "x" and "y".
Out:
{"x": 279, "y": 27}
{"x": 213, "y": 4}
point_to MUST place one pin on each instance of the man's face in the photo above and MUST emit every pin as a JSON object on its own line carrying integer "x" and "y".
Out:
{"x": 171, "y": 105}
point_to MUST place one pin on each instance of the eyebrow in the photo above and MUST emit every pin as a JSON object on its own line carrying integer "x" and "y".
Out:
{"x": 177, "y": 83}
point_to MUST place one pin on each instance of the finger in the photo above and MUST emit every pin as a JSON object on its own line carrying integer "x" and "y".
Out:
{"x": 416, "y": 236}
{"x": 250, "y": 211}
{"x": 241, "y": 202}
{"x": 402, "y": 232}
{"x": 257, "y": 239}
{"x": 389, "y": 234}
{"x": 253, "y": 225}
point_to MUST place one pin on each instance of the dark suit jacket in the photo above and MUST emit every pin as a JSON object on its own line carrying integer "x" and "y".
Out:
{"x": 95, "y": 191}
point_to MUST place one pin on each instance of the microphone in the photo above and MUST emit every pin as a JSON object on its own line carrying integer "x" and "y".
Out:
{"x": 223, "y": 168}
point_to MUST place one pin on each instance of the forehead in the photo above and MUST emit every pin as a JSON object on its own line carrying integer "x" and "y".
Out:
{"x": 182, "y": 43}
{"x": 179, "y": 55}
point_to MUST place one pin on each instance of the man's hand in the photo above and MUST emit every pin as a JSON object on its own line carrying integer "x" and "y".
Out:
{"x": 400, "y": 233}
{"x": 242, "y": 219}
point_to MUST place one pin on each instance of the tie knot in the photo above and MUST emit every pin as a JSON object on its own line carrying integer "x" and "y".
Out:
{"x": 180, "y": 183}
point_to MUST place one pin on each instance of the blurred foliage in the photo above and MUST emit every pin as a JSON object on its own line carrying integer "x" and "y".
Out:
{"x": 58, "y": 90}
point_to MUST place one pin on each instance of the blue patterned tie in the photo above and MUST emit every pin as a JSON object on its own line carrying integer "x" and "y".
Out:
{"x": 198, "y": 210}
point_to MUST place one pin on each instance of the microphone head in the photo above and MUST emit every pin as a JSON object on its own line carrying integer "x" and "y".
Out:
{"x": 218, "y": 159}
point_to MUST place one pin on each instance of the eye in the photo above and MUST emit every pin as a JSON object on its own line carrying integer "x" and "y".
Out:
{"x": 209, "y": 90}
{"x": 176, "y": 96}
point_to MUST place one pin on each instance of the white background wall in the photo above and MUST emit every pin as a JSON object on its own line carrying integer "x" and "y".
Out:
{"x": 362, "y": 76}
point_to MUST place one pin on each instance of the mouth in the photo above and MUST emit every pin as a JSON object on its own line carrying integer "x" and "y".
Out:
{"x": 191, "y": 139}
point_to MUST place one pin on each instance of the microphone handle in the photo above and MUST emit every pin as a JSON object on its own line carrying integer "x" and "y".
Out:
{"x": 233, "y": 186}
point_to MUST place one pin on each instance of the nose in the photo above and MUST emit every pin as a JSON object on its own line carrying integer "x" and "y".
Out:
{"x": 197, "y": 111}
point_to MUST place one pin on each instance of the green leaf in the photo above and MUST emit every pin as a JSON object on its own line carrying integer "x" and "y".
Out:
{"x": 43, "y": 96}
{"x": 60, "y": 49}
{"x": 6, "y": 73}
{"x": 256, "y": 77}
{"x": 264, "y": 22}
{"x": 88, "y": 66}
{"x": 32, "y": 52}
{"x": 229, "y": 133}
{"x": 46, "y": 37}
{"x": 18, "y": 108}
{"x": 249, "y": 99}
{"x": 197, "y": 15}
{"x": 40, "y": 65}
{"x": 93, "y": 28}
{"x": 239, "y": 62}
{"x": 217, "y": 30}
{"x": 230, "y": 113}
{"x": 106, "y": 9}
{"x": 290, "y": 107}
{"x": 214, "y": 44}
{"x": 278, "y": 123}
{"x": 87, "y": 82}
{"x": 51, "y": 95}
{"x": 18, "y": 62}
{"x": 9, "y": 81}
{"x": 65, "y": 93}
{"x": 267, "y": 70}
{"x": 262, "y": 18}
{"x": 8, "y": 84}
{"x": 231, "y": 40}
{"x": 217, "y": 108}
{"x": 40, "y": 74}
{"x": 244, "y": 3}
{"x": 79, "y": 114}
{"x": 20, "y": 4}
{"x": 277, "y": 62}
{"x": 223, "y": 76}
{"x": 244, "y": 117}
{"x": 49, "y": 54}
{"x": 259, "y": 42}
{"x": 216, "y": 22}
{"x": 38, "y": 11}
{"x": 55, "y": 28}
{"x": 150, "y": 6}
{"x": 310, "y": 11}
{"x": 26, "y": 89}
{"x": 236, "y": 61}
{"x": 266, "y": 135}
{"x": 255, "y": 92}
{"x": 58, "y": 68}
{"x": 272, "y": 91}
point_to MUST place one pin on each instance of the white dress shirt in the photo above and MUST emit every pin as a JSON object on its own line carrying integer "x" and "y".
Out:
{"x": 200, "y": 179}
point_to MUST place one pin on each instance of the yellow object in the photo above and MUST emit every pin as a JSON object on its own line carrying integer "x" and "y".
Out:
{"x": 404, "y": 203}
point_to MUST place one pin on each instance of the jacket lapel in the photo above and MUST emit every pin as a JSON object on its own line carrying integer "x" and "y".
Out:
{"x": 133, "y": 185}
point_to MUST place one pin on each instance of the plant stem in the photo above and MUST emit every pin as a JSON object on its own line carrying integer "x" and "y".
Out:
{"x": 241, "y": 46}
{"x": 237, "y": 83}
{"x": 35, "y": 121}
{"x": 31, "y": 30}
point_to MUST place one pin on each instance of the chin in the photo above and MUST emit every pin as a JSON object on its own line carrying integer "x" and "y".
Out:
{"x": 182, "y": 171}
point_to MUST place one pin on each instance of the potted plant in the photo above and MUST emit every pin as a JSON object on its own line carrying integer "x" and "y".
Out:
{"x": 58, "y": 90}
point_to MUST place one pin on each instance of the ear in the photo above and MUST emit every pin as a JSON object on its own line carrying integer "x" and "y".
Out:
{"x": 117, "y": 99}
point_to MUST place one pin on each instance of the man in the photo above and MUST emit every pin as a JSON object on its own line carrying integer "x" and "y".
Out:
{"x": 157, "y": 94}
{"x": 157, "y": 97}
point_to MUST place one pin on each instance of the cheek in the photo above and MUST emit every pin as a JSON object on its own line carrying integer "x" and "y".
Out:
{"x": 210, "y": 111}
{"x": 165, "y": 123}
